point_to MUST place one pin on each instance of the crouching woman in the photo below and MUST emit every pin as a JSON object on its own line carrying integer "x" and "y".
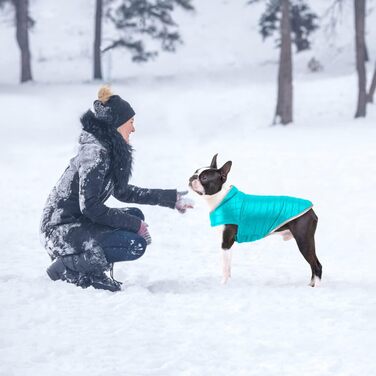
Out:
{"x": 82, "y": 235}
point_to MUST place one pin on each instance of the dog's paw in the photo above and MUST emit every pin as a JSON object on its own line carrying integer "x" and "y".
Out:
{"x": 224, "y": 281}
{"x": 225, "y": 278}
{"x": 315, "y": 282}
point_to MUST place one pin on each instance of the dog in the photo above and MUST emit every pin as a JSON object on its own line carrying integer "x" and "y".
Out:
{"x": 247, "y": 217}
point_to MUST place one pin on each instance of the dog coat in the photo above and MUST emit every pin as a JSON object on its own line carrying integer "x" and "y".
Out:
{"x": 256, "y": 216}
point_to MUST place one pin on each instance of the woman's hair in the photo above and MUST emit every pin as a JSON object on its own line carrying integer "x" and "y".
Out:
{"x": 121, "y": 160}
{"x": 112, "y": 140}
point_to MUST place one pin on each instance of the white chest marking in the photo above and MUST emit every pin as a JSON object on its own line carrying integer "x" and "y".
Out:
{"x": 214, "y": 200}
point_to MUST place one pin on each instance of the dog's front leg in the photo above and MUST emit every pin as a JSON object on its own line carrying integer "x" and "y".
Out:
{"x": 226, "y": 265}
{"x": 228, "y": 239}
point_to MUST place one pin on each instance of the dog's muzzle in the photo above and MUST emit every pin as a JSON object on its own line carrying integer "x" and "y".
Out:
{"x": 196, "y": 185}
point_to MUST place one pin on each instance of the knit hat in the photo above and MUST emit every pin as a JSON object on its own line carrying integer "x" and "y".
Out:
{"x": 112, "y": 108}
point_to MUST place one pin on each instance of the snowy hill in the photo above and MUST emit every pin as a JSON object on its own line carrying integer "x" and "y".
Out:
{"x": 173, "y": 316}
{"x": 220, "y": 37}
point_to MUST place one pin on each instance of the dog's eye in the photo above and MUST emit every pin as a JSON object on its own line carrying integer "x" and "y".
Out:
{"x": 203, "y": 178}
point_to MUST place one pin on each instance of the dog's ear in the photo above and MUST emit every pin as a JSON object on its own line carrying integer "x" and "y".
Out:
{"x": 213, "y": 163}
{"x": 224, "y": 170}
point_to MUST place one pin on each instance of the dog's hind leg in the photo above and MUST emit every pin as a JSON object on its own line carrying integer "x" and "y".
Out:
{"x": 228, "y": 239}
{"x": 303, "y": 229}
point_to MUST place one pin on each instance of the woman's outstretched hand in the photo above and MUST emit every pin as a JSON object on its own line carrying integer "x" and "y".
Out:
{"x": 183, "y": 203}
{"x": 144, "y": 232}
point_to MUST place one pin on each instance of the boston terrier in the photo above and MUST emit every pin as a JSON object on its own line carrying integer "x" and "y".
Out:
{"x": 246, "y": 218}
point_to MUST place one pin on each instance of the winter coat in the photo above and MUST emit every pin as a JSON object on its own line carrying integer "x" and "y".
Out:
{"x": 257, "y": 216}
{"x": 75, "y": 212}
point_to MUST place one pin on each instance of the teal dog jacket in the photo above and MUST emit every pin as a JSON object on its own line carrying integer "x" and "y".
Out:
{"x": 256, "y": 216}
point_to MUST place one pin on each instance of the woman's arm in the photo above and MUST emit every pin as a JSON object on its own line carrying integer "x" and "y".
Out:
{"x": 92, "y": 169}
{"x": 136, "y": 195}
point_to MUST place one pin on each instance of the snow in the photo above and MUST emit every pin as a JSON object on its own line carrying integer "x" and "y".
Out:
{"x": 173, "y": 316}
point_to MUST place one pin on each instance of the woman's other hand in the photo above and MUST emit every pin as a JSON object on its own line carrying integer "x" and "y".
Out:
{"x": 144, "y": 232}
{"x": 183, "y": 203}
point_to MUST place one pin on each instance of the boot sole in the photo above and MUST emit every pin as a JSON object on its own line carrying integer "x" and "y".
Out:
{"x": 100, "y": 286}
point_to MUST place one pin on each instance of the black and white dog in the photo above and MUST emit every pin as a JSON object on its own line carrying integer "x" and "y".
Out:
{"x": 210, "y": 183}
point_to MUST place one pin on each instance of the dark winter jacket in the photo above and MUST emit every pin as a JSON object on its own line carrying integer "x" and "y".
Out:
{"x": 75, "y": 210}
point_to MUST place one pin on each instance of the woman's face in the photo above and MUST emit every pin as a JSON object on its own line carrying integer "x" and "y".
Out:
{"x": 126, "y": 129}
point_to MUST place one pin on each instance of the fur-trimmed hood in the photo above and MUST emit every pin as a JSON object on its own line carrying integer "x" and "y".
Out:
{"x": 119, "y": 150}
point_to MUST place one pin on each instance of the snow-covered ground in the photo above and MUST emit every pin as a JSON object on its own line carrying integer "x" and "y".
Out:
{"x": 173, "y": 316}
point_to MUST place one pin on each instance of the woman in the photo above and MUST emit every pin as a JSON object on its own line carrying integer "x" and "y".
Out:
{"x": 82, "y": 235}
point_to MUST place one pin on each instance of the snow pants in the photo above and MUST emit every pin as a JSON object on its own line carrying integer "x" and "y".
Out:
{"x": 121, "y": 245}
{"x": 79, "y": 237}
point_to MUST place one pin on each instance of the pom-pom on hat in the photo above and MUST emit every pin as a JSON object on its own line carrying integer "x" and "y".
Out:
{"x": 104, "y": 93}
{"x": 111, "y": 108}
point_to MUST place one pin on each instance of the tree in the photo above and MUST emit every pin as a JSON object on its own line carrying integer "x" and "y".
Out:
{"x": 137, "y": 19}
{"x": 302, "y": 22}
{"x": 98, "y": 39}
{"x": 360, "y": 21}
{"x": 361, "y": 51}
{"x": 372, "y": 88}
{"x": 294, "y": 22}
{"x": 23, "y": 23}
{"x": 283, "y": 112}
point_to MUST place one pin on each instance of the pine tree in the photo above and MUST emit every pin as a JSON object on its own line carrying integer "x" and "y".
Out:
{"x": 284, "y": 107}
{"x": 302, "y": 20}
{"x": 138, "y": 20}
{"x": 293, "y": 22}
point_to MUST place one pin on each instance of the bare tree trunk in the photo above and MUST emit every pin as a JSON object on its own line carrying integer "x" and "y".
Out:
{"x": 22, "y": 34}
{"x": 285, "y": 91}
{"x": 360, "y": 20}
{"x": 372, "y": 88}
{"x": 98, "y": 40}
{"x": 366, "y": 54}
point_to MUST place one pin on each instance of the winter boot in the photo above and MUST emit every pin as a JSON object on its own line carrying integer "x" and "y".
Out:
{"x": 91, "y": 261}
{"x": 58, "y": 270}
{"x": 102, "y": 281}
{"x": 84, "y": 269}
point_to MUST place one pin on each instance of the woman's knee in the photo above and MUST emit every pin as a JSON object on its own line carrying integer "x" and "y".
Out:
{"x": 138, "y": 248}
{"x": 130, "y": 249}
{"x": 136, "y": 212}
